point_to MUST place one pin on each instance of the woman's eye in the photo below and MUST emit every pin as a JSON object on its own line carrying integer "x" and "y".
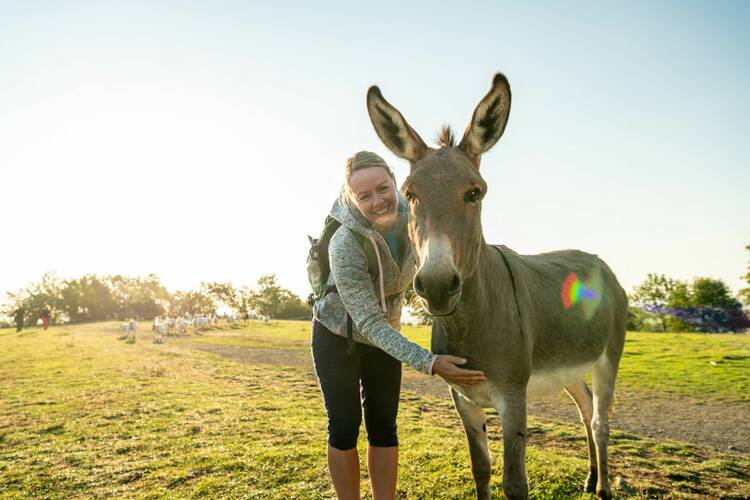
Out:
{"x": 473, "y": 195}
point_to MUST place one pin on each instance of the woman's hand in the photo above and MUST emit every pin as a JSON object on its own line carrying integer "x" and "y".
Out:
{"x": 446, "y": 366}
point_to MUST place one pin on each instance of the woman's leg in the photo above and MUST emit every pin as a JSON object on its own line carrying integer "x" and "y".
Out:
{"x": 344, "y": 468}
{"x": 382, "y": 465}
{"x": 338, "y": 375}
{"x": 381, "y": 386}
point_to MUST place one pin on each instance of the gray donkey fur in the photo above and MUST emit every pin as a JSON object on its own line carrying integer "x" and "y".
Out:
{"x": 500, "y": 310}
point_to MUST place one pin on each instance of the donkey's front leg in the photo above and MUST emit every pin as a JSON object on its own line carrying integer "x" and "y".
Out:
{"x": 512, "y": 411}
{"x": 473, "y": 418}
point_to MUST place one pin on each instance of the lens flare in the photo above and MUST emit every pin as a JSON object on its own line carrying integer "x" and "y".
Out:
{"x": 574, "y": 291}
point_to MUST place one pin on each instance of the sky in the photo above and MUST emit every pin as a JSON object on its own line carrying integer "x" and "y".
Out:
{"x": 202, "y": 141}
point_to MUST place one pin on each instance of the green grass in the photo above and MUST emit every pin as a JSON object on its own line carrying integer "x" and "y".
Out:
{"x": 713, "y": 366}
{"x": 97, "y": 417}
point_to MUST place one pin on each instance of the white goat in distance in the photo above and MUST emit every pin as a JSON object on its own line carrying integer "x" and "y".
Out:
{"x": 201, "y": 323}
{"x": 128, "y": 331}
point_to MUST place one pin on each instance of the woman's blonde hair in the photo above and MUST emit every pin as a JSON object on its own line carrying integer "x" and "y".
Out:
{"x": 361, "y": 160}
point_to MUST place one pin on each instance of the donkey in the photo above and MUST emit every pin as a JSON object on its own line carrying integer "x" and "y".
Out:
{"x": 533, "y": 323}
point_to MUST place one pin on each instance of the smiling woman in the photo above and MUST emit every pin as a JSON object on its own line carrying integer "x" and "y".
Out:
{"x": 364, "y": 305}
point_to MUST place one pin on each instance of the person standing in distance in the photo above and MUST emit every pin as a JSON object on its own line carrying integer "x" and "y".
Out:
{"x": 45, "y": 318}
{"x": 18, "y": 316}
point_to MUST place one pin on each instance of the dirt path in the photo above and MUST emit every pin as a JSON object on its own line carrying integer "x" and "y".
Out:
{"x": 706, "y": 424}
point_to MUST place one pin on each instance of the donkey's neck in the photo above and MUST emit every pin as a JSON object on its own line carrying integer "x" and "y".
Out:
{"x": 478, "y": 308}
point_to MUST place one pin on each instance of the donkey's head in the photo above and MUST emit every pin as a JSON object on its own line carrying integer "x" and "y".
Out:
{"x": 445, "y": 192}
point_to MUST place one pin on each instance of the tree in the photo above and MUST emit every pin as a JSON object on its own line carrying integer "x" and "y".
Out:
{"x": 137, "y": 297}
{"x": 191, "y": 303}
{"x": 744, "y": 294}
{"x": 655, "y": 291}
{"x": 272, "y": 300}
{"x": 705, "y": 305}
{"x": 680, "y": 299}
{"x": 713, "y": 294}
{"x": 245, "y": 295}
{"x": 292, "y": 306}
{"x": 223, "y": 294}
{"x": 637, "y": 319}
{"x": 88, "y": 298}
{"x": 39, "y": 295}
{"x": 710, "y": 292}
{"x": 268, "y": 295}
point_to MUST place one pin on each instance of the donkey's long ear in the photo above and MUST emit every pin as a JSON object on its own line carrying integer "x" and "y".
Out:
{"x": 489, "y": 119}
{"x": 392, "y": 129}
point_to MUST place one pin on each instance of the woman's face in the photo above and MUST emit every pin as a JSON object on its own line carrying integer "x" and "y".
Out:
{"x": 374, "y": 193}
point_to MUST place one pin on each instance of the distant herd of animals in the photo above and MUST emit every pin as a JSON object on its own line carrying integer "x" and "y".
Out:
{"x": 183, "y": 325}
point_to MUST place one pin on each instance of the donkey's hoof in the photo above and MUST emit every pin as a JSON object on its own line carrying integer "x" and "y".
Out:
{"x": 516, "y": 493}
{"x": 483, "y": 489}
{"x": 604, "y": 494}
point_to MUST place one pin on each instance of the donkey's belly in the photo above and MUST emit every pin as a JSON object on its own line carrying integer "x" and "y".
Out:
{"x": 549, "y": 381}
{"x": 487, "y": 395}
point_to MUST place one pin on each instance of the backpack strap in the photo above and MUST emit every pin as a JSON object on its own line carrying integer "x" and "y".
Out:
{"x": 349, "y": 335}
{"x": 367, "y": 248}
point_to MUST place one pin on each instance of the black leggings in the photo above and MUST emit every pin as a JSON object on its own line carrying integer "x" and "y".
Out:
{"x": 340, "y": 374}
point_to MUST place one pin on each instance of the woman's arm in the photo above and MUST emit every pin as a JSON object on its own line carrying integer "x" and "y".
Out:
{"x": 353, "y": 282}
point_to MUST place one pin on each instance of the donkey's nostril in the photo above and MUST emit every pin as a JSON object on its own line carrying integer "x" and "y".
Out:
{"x": 455, "y": 285}
{"x": 418, "y": 287}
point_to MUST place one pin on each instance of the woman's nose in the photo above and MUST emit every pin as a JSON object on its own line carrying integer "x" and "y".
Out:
{"x": 378, "y": 201}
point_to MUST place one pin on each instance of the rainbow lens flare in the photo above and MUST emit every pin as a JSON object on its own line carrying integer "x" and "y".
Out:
{"x": 574, "y": 291}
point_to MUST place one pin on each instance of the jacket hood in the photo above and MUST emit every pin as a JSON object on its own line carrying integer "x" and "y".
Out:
{"x": 348, "y": 214}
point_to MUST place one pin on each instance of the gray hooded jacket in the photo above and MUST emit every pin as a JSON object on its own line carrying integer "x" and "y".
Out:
{"x": 377, "y": 319}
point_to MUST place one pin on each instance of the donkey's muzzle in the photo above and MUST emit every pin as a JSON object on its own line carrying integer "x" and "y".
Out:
{"x": 440, "y": 291}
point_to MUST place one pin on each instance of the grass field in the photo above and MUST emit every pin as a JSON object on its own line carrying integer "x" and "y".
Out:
{"x": 85, "y": 415}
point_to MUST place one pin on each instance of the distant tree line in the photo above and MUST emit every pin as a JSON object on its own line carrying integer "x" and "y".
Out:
{"x": 659, "y": 303}
{"x": 115, "y": 297}
{"x": 702, "y": 305}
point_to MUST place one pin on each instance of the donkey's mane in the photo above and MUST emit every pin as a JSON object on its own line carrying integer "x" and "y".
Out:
{"x": 445, "y": 139}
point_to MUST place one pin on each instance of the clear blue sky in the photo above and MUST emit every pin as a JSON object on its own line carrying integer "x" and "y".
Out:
{"x": 202, "y": 141}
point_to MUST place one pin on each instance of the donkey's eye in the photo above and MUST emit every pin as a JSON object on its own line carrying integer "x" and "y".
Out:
{"x": 473, "y": 195}
{"x": 410, "y": 197}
